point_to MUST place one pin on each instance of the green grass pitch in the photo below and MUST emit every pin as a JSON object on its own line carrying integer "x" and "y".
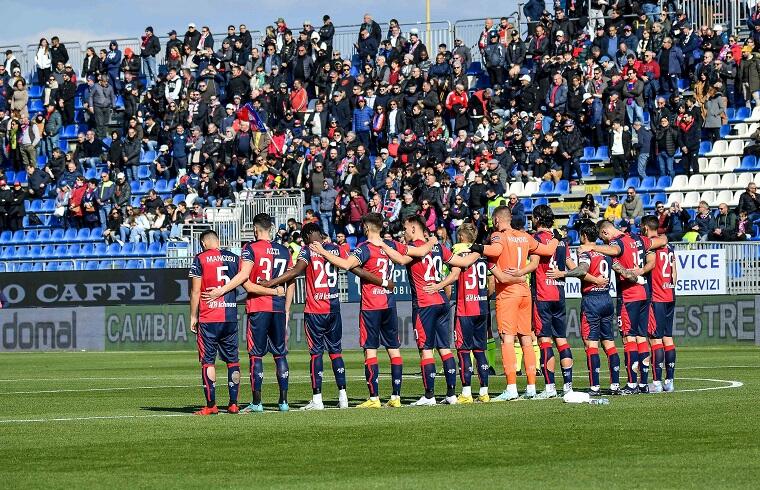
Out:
{"x": 73, "y": 420}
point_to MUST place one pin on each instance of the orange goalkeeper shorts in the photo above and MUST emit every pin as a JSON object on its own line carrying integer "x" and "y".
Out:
{"x": 513, "y": 315}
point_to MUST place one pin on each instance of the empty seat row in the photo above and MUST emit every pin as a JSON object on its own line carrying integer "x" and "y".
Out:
{"x": 712, "y": 182}
{"x": 719, "y": 164}
{"x": 89, "y": 265}
{"x": 722, "y": 148}
{"x": 692, "y": 199}
{"x": 44, "y": 252}
{"x": 57, "y": 235}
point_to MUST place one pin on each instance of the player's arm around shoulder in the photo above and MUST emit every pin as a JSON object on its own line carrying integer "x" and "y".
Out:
{"x": 344, "y": 263}
{"x": 195, "y": 301}
{"x": 391, "y": 250}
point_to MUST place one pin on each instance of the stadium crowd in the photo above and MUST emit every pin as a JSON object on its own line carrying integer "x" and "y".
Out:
{"x": 396, "y": 127}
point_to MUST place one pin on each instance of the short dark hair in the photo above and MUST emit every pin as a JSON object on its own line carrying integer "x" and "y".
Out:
{"x": 650, "y": 222}
{"x": 310, "y": 228}
{"x": 416, "y": 219}
{"x": 588, "y": 229}
{"x": 544, "y": 214}
{"x": 262, "y": 220}
{"x": 373, "y": 220}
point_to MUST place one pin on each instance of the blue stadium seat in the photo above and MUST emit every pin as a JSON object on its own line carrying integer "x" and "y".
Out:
{"x": 645, "y": 199}
{"x": 545, "y": 189}
{"x": 104, "y": 265}
{"x": 41, "y": 160}
{"x": 135, "y": 201}
{"x": 87, "y": 250}
{"x": 648, "y": 184}
{"x": 134, "y": 264}
{"x": 647, "y": 119}
{"x": 96, "y": 234}
{"x": 161, "y": 263}
{"x": 145, "y": 187}
{"x": 540, "y": 201}
{"x": 8, "y": 253}
{"x": 589, "y": 153}
{"x": 602, "y": 154}
{"x": 114, "y": 250}
{"x": 140, "y": 250}
{"x": 52, "y": 266}
{"x": 10, "y": 176}
{"x": 35, "y": 91}
{"x": 119, "y": 103}
{"x": 748, "y": 164}
{"x": 22, "y": 253}
{"x": 632, "y": 182}
{"x": 705, "y": 147}
{"x": 134, "y": 186}
{"x": 35, "y": 106}
{"x": 78, "y": 104}
{"x": 63, "y": 145}
{"x": 352, "y": 242}
{"x": 731, "y": 113}
{"x": 43, "y": 236}
{"x": 61, "y": 251}
{"x": 148, "y": 157}
{"x": 48, "y": 205}
{"x": 57, "y": 235}
{"x": 91, "y": 173}
{"x": 154, "y": 249}
{"x": 742, "y": 113}
{"x": 101, "y": 249}
{"x": 178, "y": 199}
{"x": 475, "y": 68}
{"x": 660, "y": 196}
{"x": 663, "y": 183}
{"x": 35, "y": 206}
{"x": 48, "y": 251}
{"x": 25, "y": 267}
{"x": 562, "y": 188}
{"x": 615, "y": 187}
{"x": 91, "y": 265}
{"x": 573, "y": 236}
{"x": 70, "y": 236}
{"x": 37, "y": 267}
{"x": 162, "y": 186}
{"x": 143, "y": 172}
{"x": 527, "y": 204}
{"x": 585, "y": 170}
{"x": 725, "y": 130}
{"x": 683, "y": 84}
{"x": 119, "y": 264}
{"x": 70, "y": 131}
{"x": 66, "y": 266}
{"x": 21, "y": 177}
{"x": 6, "y": 237}
{"x": 30, "y": 237}
{"x": 79, "y": 116}
{"x": 83, "y": 235}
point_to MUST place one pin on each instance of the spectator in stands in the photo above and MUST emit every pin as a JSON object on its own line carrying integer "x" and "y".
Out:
{"x": 149, "y": 48}
{"x": 37, "y": 182}
{"x": 159, "y": 227}
{"x": 89, "y": 150}
{"x": 29, "y": 139}
{"x": 571, "y": 150}
{"x": 633, "y": 207}
{"x": 102, "y": 100}
{"x": 589, "y": 209}
{"x": 105, "y": 194}
{"x": 14, "y": 205}
{"x": 749, "y": 201}
{"x": 5, "y": 199}
{"x": 53, "y": 127}
{"x": 327, "y": 207}
{"x": 20, "y": 98}
{"x": 715, "y": 113}
{"x": 643, "y": 147}
{"x": 90, "y": 205}
{"x": 122, "y": 194}
{"x": 131, "y": 147}
{"x": 111, "y": 234}
{"x": 43, "y": 61}
{"x": 689, "y": 140}
{"x": 703, "y": 223}
{"x": 744, "y": 227}
{"x": 726, "y": 225}
{"x": 112, "y": 65}
{"x": 667, "y": 138}
{"x": 619, "y": 142}
{"x": 75, "y": 211}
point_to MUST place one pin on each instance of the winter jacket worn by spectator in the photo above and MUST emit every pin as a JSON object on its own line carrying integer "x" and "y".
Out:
{"x": 750, "y": 203}
{"x": 667, "y": 139}
{"x": 327, "y": 198}
{"x": 715, "y": 107}
{"x": 633, "y": 207}
{"x": 749, "y": 74}
{"x": 102, "y": 97}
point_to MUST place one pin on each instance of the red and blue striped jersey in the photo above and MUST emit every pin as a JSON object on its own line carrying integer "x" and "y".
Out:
{"x": 545, "y": 288}
{"x": 322, "y": 295}
{"x": 472, "y": 289}
{"x": 270, "y": 260}
{"x": 424, "y": 271}
{"x": 599, "y": 265}
{"x": 376, "y": 261}
{"x": 661, "y": 277}
{"x": 215, "y": 267}
{"x": 633, "y": 248}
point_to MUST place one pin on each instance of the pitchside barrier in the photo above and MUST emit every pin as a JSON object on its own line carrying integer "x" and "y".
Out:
{"x": 718, "y": 302}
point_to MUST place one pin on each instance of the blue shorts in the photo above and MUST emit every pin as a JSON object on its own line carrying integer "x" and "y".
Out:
{"x": 379, "y": 327}
{"x": 661, "y": 319}
{"x": 323, "y": 332}
{"x": 431, "y": 327}
{"x": 633, "y": 318}
{"x": 213, "y": 337}
{"x": 267, "y": 332}
{"x": 470, "y": 332}
{"x": 597, "y": 313}
{"x": 549, "y": 319}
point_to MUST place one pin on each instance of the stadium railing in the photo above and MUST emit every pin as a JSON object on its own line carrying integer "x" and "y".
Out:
{"x": 280, "y": 204}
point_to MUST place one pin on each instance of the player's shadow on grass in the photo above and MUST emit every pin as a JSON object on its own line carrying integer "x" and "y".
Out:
{"x": 185, "y": 409}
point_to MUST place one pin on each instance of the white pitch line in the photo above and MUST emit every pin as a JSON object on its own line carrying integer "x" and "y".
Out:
{"x": 730, "y": 384}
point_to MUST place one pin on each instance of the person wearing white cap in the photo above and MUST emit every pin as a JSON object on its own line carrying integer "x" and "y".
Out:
{"x": 192, "y": 36}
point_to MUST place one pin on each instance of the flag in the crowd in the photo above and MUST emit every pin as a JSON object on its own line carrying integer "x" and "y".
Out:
{"x": 248, "y": 113}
